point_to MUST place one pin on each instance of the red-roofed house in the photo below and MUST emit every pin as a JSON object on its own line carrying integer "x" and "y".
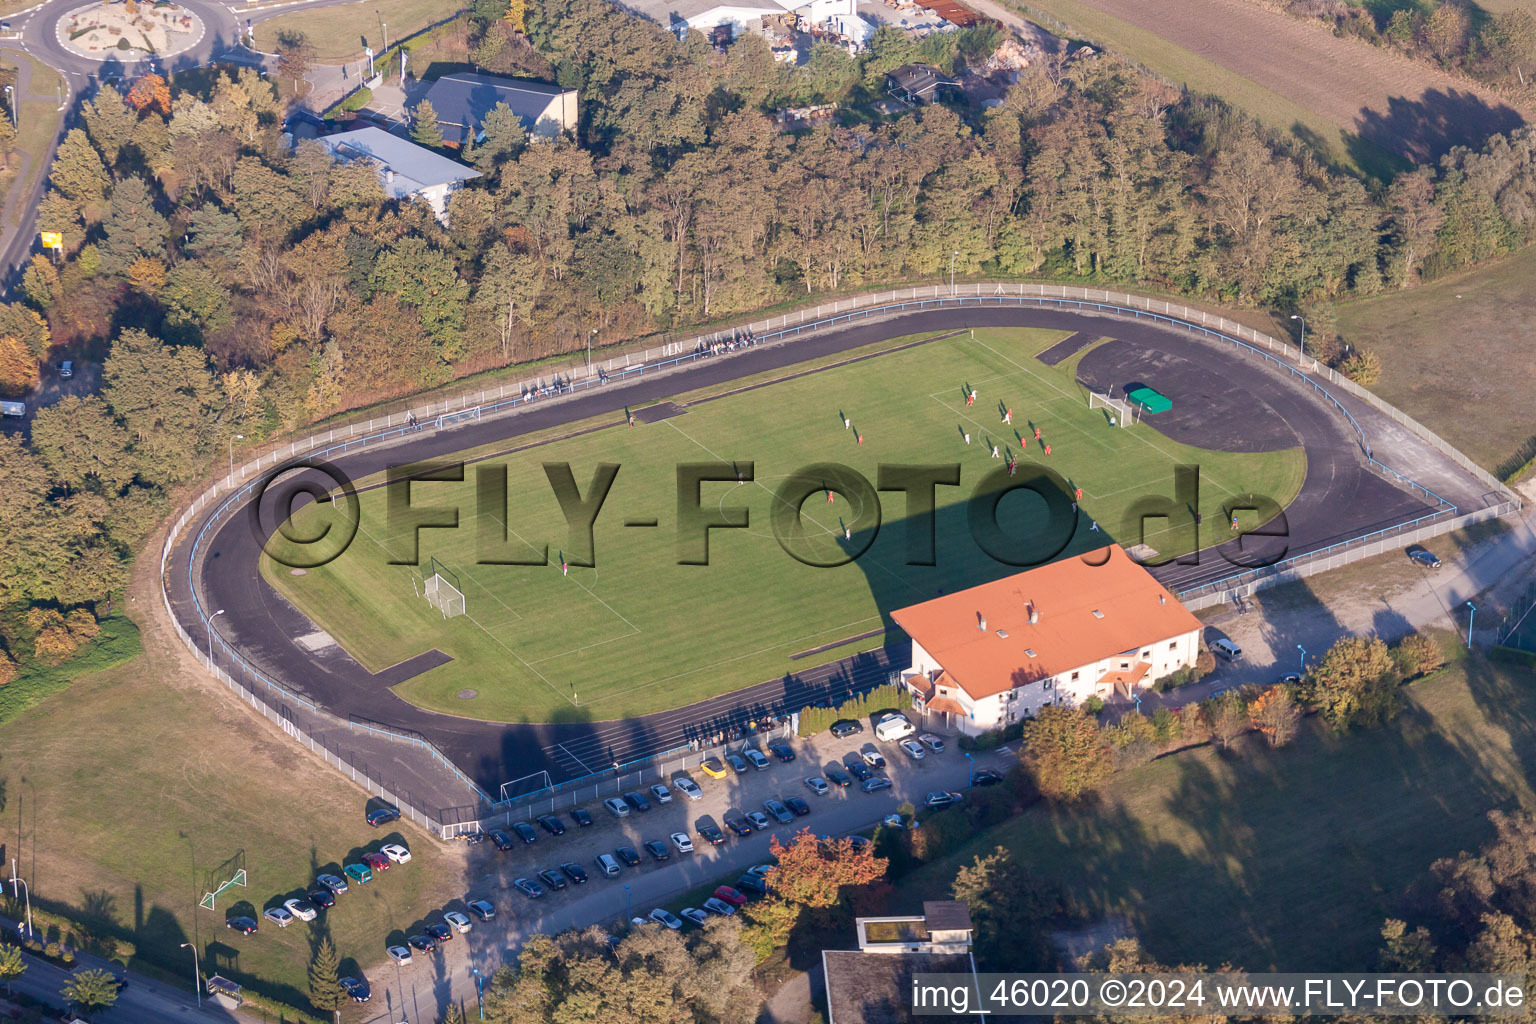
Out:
{"x": 1082, "y": 627}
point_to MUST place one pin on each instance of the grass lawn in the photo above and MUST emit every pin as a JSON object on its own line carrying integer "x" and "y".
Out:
{"x": 1288, "y": 859}
{"x": 119, "y": 784}
{"x": 340, "y": 33}
{"x": 1455, "y": 354}
{"x": 38, "y": 120}
{"x": 640, "y": 632}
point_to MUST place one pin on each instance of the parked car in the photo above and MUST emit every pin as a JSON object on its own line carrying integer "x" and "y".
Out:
{"x": 1290, "y": 679}
{"x": 501, "y": 839}
{"x": 760, "y": 870}
{"x": 752, "y": 884}
{"x": 396, "y": 853}
{"x": 243, "y": 925}
{"x": 525, "y": 832}
{"x": 779, "y": 811}
{"x": 875, "y": 783}
{"x": 838, "y": 778}
{"x": 617, "y": 807}
{"x": 551, "y": 824}
{"x": 688, "y": 788}
{"x": 715, "y": 905}
{"x": 661, "y": 793}
{"x": 627, "y": 856}
{"x": 731, "y": 896}
{"x": 693, "y": 914}
{"x": 711, "y": 835}
{"x": 581, "y": 817}
{"x": 552, "y": 878}
{"x": 985, "y": 777}
{"x": 322, "y": 898}
{"x": 333, "y": 883}
{"x": 939, "y": 800}
{"x": 399, "y": 954}
{"x": 382, "y": 816}
{"x": 662, "y": 917}
{"x": 421, "y": 943}
{"x": 1424, "y": 556}
{"x": 439, "y": 933}
{"x": 818, "y": 785}
{"x": 637, "y": 802}
{"x": 357, "y": 988}
{"x": 872, "y": 757}
{"x": 737, "y": 764}
{"x": 303, "y": 910}
{"x": 713, "y": 768}
{"x": 528, "y": 887}
{"x": 846, "y": 727}
{"x": 67, "y": 367}
{"x": 913, "y": 749}
{"x": 856, "y": 767}
{"x": 932, "y": 742}
{"x": 360, "y": 873}
{"x": 483, "y": 909}
{"x": 756, "y": 759}
{"x": 782, "y": 750}
{"x": 681, "y": 842}
{"x": 575, "y": 872}
{"x": 798, "y": 806}
{"x": 457, "y": 921}
{"x": 740, "y": 826}
{"x": 376, "y": 861}
{"x": 759, "y": 820}
{"x": 657, "y": 849}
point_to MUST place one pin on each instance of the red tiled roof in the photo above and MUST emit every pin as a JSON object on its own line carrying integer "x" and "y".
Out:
{"x": 1126, "y": 677}
{"x": 1090, "y": 607}
{"x": 946, "y": 704}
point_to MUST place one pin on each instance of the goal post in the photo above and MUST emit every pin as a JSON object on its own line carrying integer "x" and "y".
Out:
{"x": 440, "y": 586}
{"x": 1118, "y": 411}
{"x": 223, "y": 878}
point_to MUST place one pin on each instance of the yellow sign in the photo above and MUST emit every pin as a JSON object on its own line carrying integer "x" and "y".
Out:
{"x": 53, "y": 239}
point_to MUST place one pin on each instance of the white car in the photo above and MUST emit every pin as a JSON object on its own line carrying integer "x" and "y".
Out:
{"x": 457, "y": 921}
{"x": 278, "y": 916}
{"x": 301, "y": 909}
{"x": 932, "y": 742}
{"x": 694, "y": 914}
{"x": 715, "y": 905}
{"x": 396, "y": 853}
{"x": 662, "y": 794}
{"x": 688, "y": 788}
{"x": 664, "y": 917}
{"x": 914, "y": 749}
{"x": 617, "y": 807}
{"x": 399, "y": 954}
{"x": 682, "y": 843}
{"x": 818, "y": 785}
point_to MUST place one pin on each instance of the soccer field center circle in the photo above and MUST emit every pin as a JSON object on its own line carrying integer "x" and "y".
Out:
{"x": 490, "y": 750}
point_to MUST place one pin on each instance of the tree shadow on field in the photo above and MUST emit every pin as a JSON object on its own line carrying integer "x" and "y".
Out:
{"x": 1425, "y": 129}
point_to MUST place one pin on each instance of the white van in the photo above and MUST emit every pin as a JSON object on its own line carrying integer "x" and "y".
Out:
{"x": 1227, "y": 649}
{"x": 607, "y": 865}
{"x": 894, "y": 727}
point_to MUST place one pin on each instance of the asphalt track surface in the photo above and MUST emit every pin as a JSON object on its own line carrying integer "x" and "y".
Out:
{"x": 1339, "y": 499}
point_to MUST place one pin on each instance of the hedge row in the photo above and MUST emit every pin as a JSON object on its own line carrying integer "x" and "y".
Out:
{"x": 891, "y": 696}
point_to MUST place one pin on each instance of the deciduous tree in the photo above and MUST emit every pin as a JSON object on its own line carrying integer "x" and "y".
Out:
{"x": 1066, "y": 752}
{"x": 1275, "y": 714}
{"x": 1355, "y": 683}
{"x": 92, "y": 989}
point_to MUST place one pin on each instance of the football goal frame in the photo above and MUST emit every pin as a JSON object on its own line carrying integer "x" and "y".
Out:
{"x": 1120, "y": 411}
{"x": 440, "y": 586}
{"x": 223, "y": 878}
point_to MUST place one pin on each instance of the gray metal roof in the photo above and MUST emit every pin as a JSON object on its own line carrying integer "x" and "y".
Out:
{"x": 464, "y": 99}
{"x": 415, "y": 167}
{"x": 947, "y": 916}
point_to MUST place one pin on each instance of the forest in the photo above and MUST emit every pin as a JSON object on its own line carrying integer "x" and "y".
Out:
{"x": 235, "y": 287}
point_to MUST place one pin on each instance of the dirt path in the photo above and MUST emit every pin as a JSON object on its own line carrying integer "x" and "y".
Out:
{"x": 1401, "y": 105}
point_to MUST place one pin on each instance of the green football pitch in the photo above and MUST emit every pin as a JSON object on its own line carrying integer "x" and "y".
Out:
{"x": 638, "y": 632}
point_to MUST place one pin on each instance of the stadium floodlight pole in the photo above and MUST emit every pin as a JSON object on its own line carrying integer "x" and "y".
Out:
{"x": 479, "y": 989}
{"x": 1303, "y": 651}
{"x": 952, "y": 256}
{"x": 1470, "y": 618}
{"x": 197, "y": 974}
{"x": 210, "y": 633}
{"x": 233, "y": 438}
{"x": 590, "y": 335}
{"x": 1298, "y": 316}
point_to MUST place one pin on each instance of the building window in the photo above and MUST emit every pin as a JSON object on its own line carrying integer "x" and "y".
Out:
{"x": 1074, "y": 677}
{"x": 1146, "y": 654}
{"x": 1173, "y": 645}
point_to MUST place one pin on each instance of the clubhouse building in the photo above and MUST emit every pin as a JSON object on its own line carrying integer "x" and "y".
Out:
{"x": 1095, "y": 625}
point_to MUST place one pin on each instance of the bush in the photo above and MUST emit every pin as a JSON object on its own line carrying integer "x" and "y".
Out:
{"x": 350, "y": 104}
{"x": 1094, "y": 705}
{"x": 1364, "y": 368}
{"x": 1417, "y": 655}
{"x": 993, "y": 738}
{"x": 890, "y": 696}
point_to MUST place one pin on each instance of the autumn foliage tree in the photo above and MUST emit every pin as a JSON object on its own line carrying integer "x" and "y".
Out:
{"x": 813, "y": 874}
{"x": 1355, "y": 683}
{"x": 150, "y": 93}
{"x": 18, "y": 367}
{"x": 1275, "y": 714}
{"x": 1066, "y": 752}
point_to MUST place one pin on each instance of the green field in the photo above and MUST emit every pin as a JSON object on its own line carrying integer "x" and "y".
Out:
{"x": 340, "y": 33}
{"x": 640, "y": 632}
{"x": 1286, "y": 859}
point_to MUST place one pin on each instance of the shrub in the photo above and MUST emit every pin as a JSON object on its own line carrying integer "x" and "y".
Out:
{"x": 1364, "y": 368}
{"x": 1094, "y": 705}
{"x": 891, "y": 695}
{"x": 1417, "y": 655}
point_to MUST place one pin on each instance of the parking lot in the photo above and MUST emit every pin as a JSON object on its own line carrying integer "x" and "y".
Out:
{"x": 428, "y": 982}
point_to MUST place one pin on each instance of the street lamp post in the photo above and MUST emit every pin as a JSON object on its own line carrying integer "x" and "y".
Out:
{"x": 952, "y": 256}
{"x": 970, "y": 768}
{"x": 590, "y": 334}
{"x": 27, "y": 892}
{"x": 1298, "y": 316}
{"x": 10, "y": 101}
{"x": 197, "y": 974}
{"x": 210, "y": 633}
{"x": 1303, "y": 650}
{"x": 629, "y": 905}
{"x": 1470, "y": 617}
{"x": 479, "y": 989}
{"x": 233, "y": 438}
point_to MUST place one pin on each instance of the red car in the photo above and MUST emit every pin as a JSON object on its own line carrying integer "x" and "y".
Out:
{"x": 377, "y": 861}
{"x": 731, "y": 896}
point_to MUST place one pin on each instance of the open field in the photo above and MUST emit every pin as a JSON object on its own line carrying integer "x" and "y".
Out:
{"x": 37, "y": 121}
{"x": 1354, "y": 100}
{"x": 1455, "y": 355}
{"x": 132, "y": 776}
{"x": 640, "y": 632}
{"x": 1287, "y": 859}
{"x": 340, "y": 33}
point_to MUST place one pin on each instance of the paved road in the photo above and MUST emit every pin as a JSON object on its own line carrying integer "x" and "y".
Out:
{"x": 260, "y": 624}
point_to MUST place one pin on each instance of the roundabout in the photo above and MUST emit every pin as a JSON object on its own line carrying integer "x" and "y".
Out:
{"x": 213, "y": 561}
{"x": 129, "y": 30}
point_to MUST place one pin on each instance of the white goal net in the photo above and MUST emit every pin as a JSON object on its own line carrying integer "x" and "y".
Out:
{"x": 1118, "y": 411}
{"x": 440, "y": 591}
